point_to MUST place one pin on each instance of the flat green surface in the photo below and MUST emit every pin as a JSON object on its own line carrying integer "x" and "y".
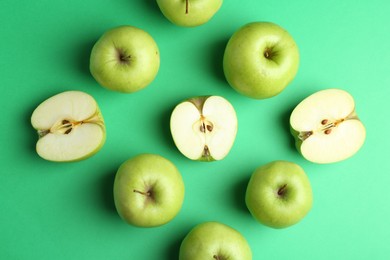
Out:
{"x": 66, "y": 211}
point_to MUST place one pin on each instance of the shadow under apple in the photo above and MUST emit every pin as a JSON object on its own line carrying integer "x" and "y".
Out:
{"x": 239, "y": 191}
{"x": 107, "y": 191}
{"x": 152, "y": 5}
{"x": 215, "y": 54}
{"x": 174, "y": 248}
{"x": 166, "y": 135}
{"x": 284, "y": 119}
{"x": 83, "y": 53}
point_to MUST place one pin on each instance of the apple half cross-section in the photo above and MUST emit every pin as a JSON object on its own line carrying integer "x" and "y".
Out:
{"x": 70, "y": 127}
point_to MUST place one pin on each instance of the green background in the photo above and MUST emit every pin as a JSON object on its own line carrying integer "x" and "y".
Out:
{"x": 66, "y": 211}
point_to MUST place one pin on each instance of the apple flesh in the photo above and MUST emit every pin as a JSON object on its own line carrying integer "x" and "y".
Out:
{"x": 70, "y": 127}
{"x": 279, "y": 194}
{"x": 216, "y": 241}
{"x": 260, "y": 60}
{"x": 204, "y": 128}
{"x": 125, "y": 59}
{"x": 189, "y": 13}
{"x": 148, "y": 190}
{"x": 326, "y": 127}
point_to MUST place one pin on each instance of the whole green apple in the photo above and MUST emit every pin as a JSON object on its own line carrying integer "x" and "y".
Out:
{"x": 125, "y": 59}
{"x": 148, "y": 190}
{"x": 279, "y": 194}
{"x": 260, "y": 60}
{"x": 326, "y": 127}
{"x": 214, "y": 240}
{"x": 189, "y": 13}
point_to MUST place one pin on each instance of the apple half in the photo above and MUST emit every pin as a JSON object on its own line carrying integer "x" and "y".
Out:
{"x": 326, "y": 127}
{"x": 204, "y": 128}
{"x": 70, "y": 127}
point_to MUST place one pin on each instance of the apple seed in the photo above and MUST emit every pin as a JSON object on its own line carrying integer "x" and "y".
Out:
{"x": 206, "y": 126}
{"x": 202, "y": 128}
{"x": 328, "y": 131}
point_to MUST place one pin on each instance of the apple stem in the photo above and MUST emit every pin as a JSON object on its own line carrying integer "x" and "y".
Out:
{"x": 282, "y": 190}
{"x": 268, "y": 53}
{"x": 187, "y": 6}
{"x": 124, "y": 58}
{"x": 216, "y": 257}
{"x": 148, "y": 193}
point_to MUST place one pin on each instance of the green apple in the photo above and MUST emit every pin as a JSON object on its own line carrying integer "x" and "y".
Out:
{"x": 189, "y": 13}
{"x": 279, "y": 194}
{"x": 125, "y": 59}
{"x": 148, "y": 190}
{"x": 326, "y": 127}
{"x": 260, "y": 60}
{"x": 214, "y": 241}
{"x": 70, "y": 127}
{"x": 204, "y": 128}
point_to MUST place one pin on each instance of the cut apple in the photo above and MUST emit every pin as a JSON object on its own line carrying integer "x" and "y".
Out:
{"x": 70, "y": 127}
{"x": 204, "y": 128}
{"x": 326, "y": 127}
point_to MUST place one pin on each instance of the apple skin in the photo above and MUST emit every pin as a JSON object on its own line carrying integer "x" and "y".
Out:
{"x": 260, "y": 60}
{"x": 125, "y": 59}
{"x": 199, "y": 11}
{"x": 214, "y": 240}
{"x": 279, "y": 194}
{"x": 153, "y": 174}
